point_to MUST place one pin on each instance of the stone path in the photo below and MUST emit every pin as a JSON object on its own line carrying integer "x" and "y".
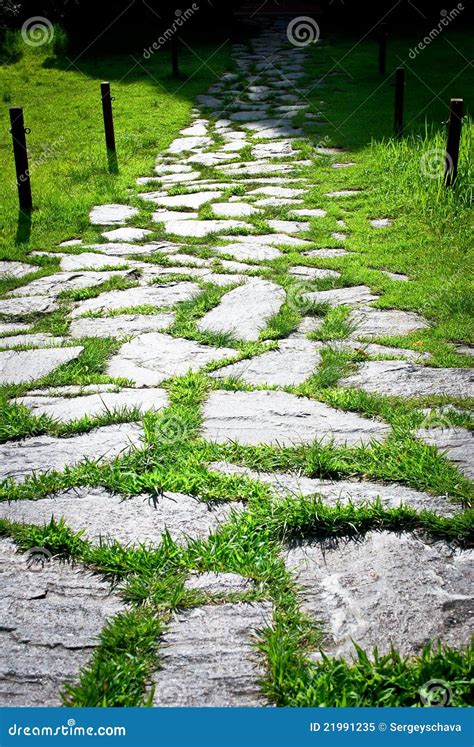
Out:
{"x": 201, "y": 288}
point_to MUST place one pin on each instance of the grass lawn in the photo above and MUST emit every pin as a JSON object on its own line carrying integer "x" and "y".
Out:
{"x": 429, "y": 239}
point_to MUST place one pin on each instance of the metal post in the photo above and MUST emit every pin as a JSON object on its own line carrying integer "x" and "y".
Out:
{"x": 399, "y": 94}
{"x": 383, "y": 35}
{"x": 454, "y": 138}
{"x": 108, "y": 116}
{"x": 21, "y": 159}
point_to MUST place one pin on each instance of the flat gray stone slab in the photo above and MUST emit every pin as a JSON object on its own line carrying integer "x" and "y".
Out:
{"x": 278, "y": 192}
{"x": 21, "y": 366}
{"x": 218, "y": 583}
{"x": 381, "y": 223}
{"x": 330, "y": 252}
{"x": 290, "y": 365}
{"x": 22, "y": 307}
{"x": 108, "y": 215}
{"x": 354, "y": 295}
{"x": 94, "y": 405}
{"x": 16, "y": 269}
{"x": 271, "y": 239}
{"x": 185, "y": 144}
{"x": 107, "y": 517}
{"x": 201, "y": 228}
{"x": 208, "y": 659}
{"x": 124, "y": 325}
{"x": 51, "y": 619}
{"x": 53, "y": 285}
{"x": 44, "y": 453}
{"x": 255, "y": 251}
{"x": 396, "y": 276}
{"x": 166, "y": 216}
{"x": 373, "y": 349}
{"x": 89, "y": 261}
{"x": 158, "y": 296}
{"x": 344, "y": 492}
{"x": 233, "y": 209}
{"x": 119, "y": 249}
{"x": 245, "y": 311}
{"x": 193, "y": 201}
{"x": 401, "y": 379}
{"x": 310, "y": 212}
{"x": 11, "y": 328}
{"x": 314, "y": 273}
{"x": 151, "y": 358}
{"x": 288, "y": 226}
{"x": 126, "y": 234}
{"x": 270, "y": 417}
{"x": 40, "y": 340}
{"x": 385, "y": 589}
{"x": 279, "y": 149}
{"x": 371, "y": 323}
{"x": 456, "y": 443}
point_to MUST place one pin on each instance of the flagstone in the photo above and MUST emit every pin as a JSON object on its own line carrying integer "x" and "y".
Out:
{"x": 23, "y": 307}
{"x": 357, "y": 294}
{"x": 38, "y": 340}
{"x": 119, "y": 249}
{"x": 53, "y": 285}
{"x": 125, "y": 325}
{"x": 16, "y": 269}
{"x": 370, "y": 323}
{"x": 456, "y": 443}
{"x": 201, "y": 228}
{"x": 233, "y": 210}
{"x": 291, "y": 364}
{"x": 21, "y": 366}
{"x": 186, "y": 144}
{"x": 127, "y": 234}
{"x": 106, "y": 215}
{"x": 89, "y": 261}
{"x": 402, "y": 379}
{"x": 158, "y": 296}
{"x": 193, "y": 201}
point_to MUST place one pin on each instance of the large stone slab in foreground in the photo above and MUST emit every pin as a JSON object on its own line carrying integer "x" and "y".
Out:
{"x": 19, "y": 459}
{"x": 403, "y": 379}
{"x": 278, "y": 418}
{"x": 385, "y": 589}
{"x": 158, "y": 296}
{"x": 20, "y": 366}
{"x": 50, "y": 621}
{"x": 95, "y": 405}
{"x": 141, "y": 519}
{"x": 151, "y": 358}
{"x": 245, "y": 311}
{"x": 208, "y": 659}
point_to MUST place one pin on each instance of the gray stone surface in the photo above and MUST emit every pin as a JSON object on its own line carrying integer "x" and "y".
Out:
{"x": 108, "y": 215}
{"x": 288, "y": 226}
{"x": 269, "y": 417}
{"x": 50, "y": 622}
{"x": 53, "y": 285}
{"x": 254, "y": 251}
{"x": 44, "y": 453}
{"x": 233, "y": 210}
{"x": 20, "y": 366}
{"x": 16, "y": 269}
{"x": 401, "y": 379}
{"x": 121, "y": 249}
{"x": 245, "y": 311}
{"x": 13, "y": 328}
{"x": 381, "y": 222}
{"x": 89, "y": 261}
{"x": 385, "y": 589}
{"x": 151, "y": 358}
{"x": 192, "y": 201}
{"x": 314, "y": 273}
{"x": 354, "y": 295}
{"x": 358, "y": 492}
{"x": 456, "y": 443}
{"x": 141, "y": 519}
{"x": 94, "y": 405}
{"x": 208, "y": 659}
{"x": 373, "y": 349}
{"x": 23, "y": 307}
{"x": 39, "y": 340}
{"x": 123, "y": 325}
{"x": 371, "y": 323}
{"x": 218, "y": 583}
{"x": 201, "y": 228}
{"x": 290, "y": 365}
{"x": 185, "y": 144}
{"x": 126, "y": 234}
{"x": 156, "y": 295}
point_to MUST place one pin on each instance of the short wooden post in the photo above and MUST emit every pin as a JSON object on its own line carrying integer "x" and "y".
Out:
{"x": 399, "y": 95}
{"x": 21, "y": 159}
{"x": 454, "y": 138}
{"x": 108, "y": 116}
{"x": 383, "y": 35}
{"x": 174, "y": 56}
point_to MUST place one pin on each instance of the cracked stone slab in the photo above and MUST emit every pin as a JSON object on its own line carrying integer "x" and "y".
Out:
{"x": 456, "y": 443}
{"x": 66, "y": 409}
{"x": 290, "y": 365}
{"x": 255, "y": 251}
{"x": 123, "y": 325}
{"x": 20, "y": 459}
{"x": 245, "y": 311}
{"x": 151, "y": 358}
{"x": 193, "y": 201}
{"x": 370, "y": 323}
{"x": 52, "y": 617}
{"x": 21, "y": 307}
{"x": 108, "y": 215}
{"x": 402, "y": 379}
{"x": 16, "y": 269}
{"x": 218, "y": 583}
{"x": 40, "y": 340}
{"x": 279, "y": 149}
{"x": 158, "y": 296}
{"x": 357, "y": 294}
{"x": 21, "y": 366}
{"x": 124, "y": 249}
{"x": 278, "y": 418}
{"x": 314, "y": 273}
{"x": 53, "y": 285}
{"x": 201, "y": 228}
{"x": 109, "y": 517}
{"x": 208, "y": 658}
{"x": 357, "y": 492}
{"x": 127, "y": 234}
{"x": 385, "y": 589}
